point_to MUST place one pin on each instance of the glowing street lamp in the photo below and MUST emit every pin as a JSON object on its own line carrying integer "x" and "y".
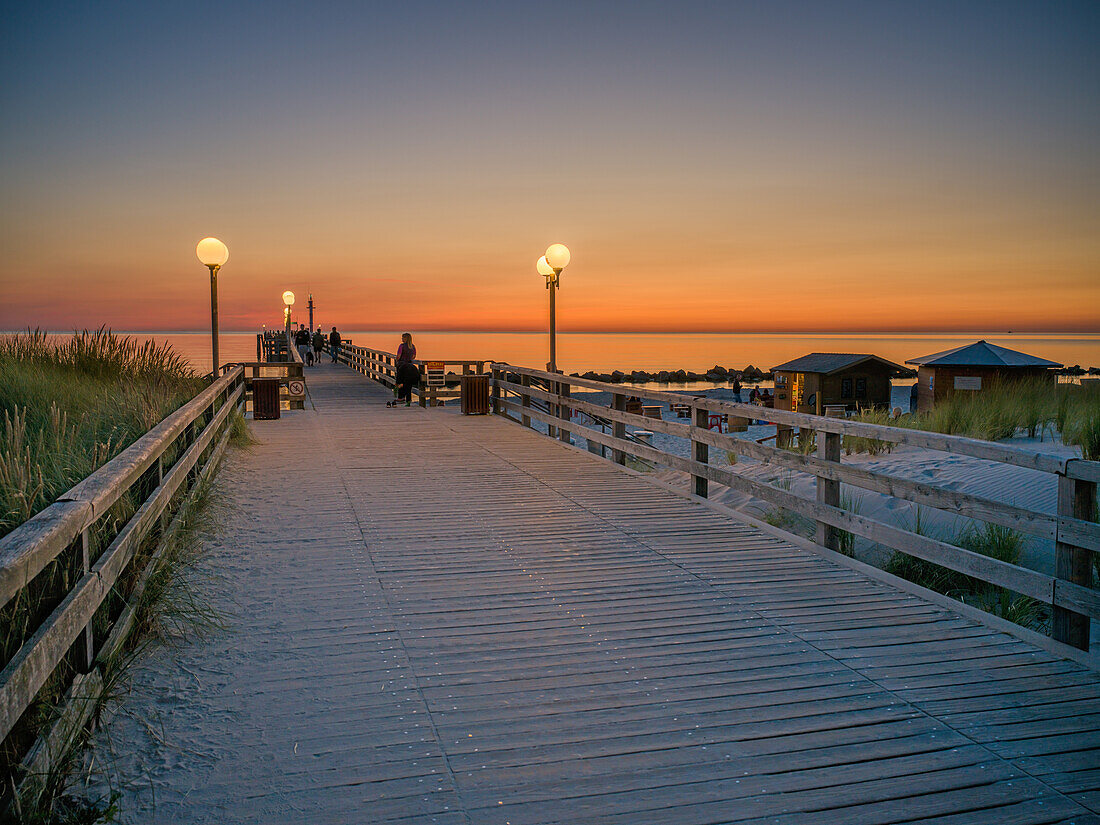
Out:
{"x": 288, "y": 302}
{"x": 550, "y": 266}
{"x": 212, "y": 253}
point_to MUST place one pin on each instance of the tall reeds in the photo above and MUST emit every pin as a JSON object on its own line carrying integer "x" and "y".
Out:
{"x": 68, "y": 405}
{"x": 1001, "y": 411}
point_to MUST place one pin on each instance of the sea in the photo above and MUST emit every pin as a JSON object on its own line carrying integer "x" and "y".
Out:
{"x": 652, "y": 352}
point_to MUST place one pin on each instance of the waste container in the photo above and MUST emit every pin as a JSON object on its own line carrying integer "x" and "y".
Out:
{"x": 265, "y": 399}
{"x": 475, "y": 394}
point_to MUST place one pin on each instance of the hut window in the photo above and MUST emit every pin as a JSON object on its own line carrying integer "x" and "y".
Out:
{"x": 845, "y": 387}
{"x": 861, "y": 388}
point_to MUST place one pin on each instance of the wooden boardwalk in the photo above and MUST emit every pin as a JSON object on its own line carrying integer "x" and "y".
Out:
{"x": 460, "y": 621}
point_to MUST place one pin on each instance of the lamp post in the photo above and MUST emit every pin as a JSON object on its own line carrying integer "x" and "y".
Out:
{"x": 550, "y": 266}
{"x": 213, "y": 254}
{"x": 288, "y": 302}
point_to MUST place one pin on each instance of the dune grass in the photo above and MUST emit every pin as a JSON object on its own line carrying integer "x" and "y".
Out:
{"x": 1034, "y": 408}
{"x": 990, "y": 540}
{"x": 70, "y": 405}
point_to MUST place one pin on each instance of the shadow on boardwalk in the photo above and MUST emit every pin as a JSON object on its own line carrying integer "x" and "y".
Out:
{"x": 437, "y": 618}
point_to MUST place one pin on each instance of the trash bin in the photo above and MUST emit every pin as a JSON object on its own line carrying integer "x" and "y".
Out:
{"x": 265, "y": 399}
{"x": 475, "y": 394}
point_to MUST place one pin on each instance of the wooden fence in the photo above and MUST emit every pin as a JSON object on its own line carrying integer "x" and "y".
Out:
{"x": 524, "y": 395}
{"x": 283, "y": 362}
{"x": 381, "y": 366}
{"x": 71, "y": 569}
{"x": 292, "y": 381}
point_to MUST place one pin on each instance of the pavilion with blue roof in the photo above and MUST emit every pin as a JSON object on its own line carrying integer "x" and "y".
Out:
{"x": 973, "y": 368}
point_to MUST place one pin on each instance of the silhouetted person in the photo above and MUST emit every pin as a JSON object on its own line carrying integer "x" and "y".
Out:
{"x": 408, "y": 373}
{"x": 334, "y": 344}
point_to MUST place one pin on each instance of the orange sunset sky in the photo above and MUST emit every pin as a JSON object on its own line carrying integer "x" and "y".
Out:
{"x": 712, "y": 167}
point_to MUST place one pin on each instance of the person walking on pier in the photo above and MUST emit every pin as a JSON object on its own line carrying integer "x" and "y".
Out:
{"x": 305, "y": 348}
{"x": 408, "y": 373}
{"x": 334, "y": 344}
{"x": 318, "y": 345}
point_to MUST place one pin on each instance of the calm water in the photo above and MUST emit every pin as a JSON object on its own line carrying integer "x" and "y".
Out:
{"x": 579, "y": 352}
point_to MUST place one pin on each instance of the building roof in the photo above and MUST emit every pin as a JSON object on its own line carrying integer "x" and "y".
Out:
{"x": 829, "y": 362}
{"x": 981, "y": 354}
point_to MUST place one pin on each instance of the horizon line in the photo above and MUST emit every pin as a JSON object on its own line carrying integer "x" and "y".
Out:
{"x": 528, "y": 331}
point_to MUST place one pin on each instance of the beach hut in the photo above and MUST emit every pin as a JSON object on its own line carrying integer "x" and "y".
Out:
{"x": 841, "y": 381}
{"x": 972, "y": 368}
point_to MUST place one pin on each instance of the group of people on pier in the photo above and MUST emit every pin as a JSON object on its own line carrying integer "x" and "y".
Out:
{"x": 310, "y": 346}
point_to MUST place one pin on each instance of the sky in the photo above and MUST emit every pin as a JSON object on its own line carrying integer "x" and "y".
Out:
{"x": 713, "y": 166}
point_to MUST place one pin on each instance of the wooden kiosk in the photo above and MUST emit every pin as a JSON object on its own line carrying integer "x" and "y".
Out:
{"x": 838, "y": 380}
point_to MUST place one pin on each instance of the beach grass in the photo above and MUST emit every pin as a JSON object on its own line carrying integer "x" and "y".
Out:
{"x": 1001, "y": 411}
{"x": 70, "y": 405}
{"x": 992, "y": 540}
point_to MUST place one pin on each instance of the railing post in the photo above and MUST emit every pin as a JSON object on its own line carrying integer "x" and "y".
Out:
{"x": 618, "y": 428}
{"x": 701, "y": 453}
{"x": 564, "y": 412}
{"x": 828, "y": 491}
{"x": 86, "y": 651}
{"x": 496, "y": 391}
{"x": 552, "y": 408}
{"x": 525, "y": 382}
{"x": 160, "y": 480}
{"x": 1076, "y": 499}
{"x": 784, "y": 434}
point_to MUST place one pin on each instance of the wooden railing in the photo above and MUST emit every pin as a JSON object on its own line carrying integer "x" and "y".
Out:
{"x": 292, "y": 382}
{"x": 381, "y": 366}
{"x": 1072, "y": 528}
{"x": 130, "y": 508}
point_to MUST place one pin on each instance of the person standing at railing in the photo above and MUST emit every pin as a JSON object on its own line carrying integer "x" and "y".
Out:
{"x": 408, "y": 373}
{"x": 334, "y": 344}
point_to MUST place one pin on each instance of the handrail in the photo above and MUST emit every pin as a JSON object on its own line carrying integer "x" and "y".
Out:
{"x": 381, "y": 366}
{"x": 1019, "y": 456}
{"x": 292, "y": 349}
{"x": 21, "y": 556}
{"x": 201, "y": 429}
{"x": 1072, "y": 528}
{"x": 288, "y": 374}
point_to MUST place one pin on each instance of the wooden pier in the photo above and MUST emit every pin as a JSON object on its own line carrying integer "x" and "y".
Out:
{"x": 451, "y": 619}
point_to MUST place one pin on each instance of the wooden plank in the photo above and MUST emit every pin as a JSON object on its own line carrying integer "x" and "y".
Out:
{"x": 35, "y": 543}
{"x": 828, "y": 490}
{"x": 1076, "y": 500}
